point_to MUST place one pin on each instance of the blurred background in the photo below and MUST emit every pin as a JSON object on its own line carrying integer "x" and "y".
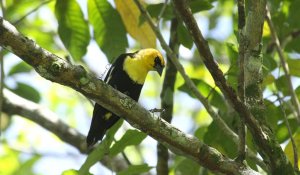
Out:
{"x": 27, "y": 148}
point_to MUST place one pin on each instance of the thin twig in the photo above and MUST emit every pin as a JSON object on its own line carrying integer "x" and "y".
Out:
{"x": 161, "y": 13}
{"x": 31, "y": 11}
{"x": 284, "y": 65}
{"x": 290, "y": 134}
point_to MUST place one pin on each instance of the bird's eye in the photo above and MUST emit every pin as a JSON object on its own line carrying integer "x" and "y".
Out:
{"x": 157, "y": 60}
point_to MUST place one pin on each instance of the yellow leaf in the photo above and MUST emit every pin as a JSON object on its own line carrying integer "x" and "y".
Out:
{"x": 266, "y": 30}
{"x": 131, "y": 15}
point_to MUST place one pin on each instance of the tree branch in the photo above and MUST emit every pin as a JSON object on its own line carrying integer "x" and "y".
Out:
{"x": 58, "y": 70}
{"x": 262, "y": 134}
{"x": 241, "y": 78}
{"x": 16, "y": 105}
{"x": 167, "y": 99}
{"x": 190, "y": 84}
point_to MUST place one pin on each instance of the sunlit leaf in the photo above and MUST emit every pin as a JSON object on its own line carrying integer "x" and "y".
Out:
{"x": 109, "y": 31}
{"x": 289, "y": 149}
{"x": 130, "y": 15}
{"x": 131, "y": 137}
{"x": 14, "y": 11}
{"x": 282, "y": 133}
{"x": 72, "y": 28}
{"x": 27, "y": 166}
{"x": 294, "y": 67}
{"x": 9, "y": 161}
{"x": 72, "y": 172}
{"x": 135, "y": 169}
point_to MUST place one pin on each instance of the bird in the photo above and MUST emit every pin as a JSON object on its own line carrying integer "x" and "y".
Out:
{"x": 127, "y": 74}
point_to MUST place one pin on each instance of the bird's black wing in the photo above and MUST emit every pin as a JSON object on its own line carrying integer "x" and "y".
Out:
{"x": 102, "y": 118}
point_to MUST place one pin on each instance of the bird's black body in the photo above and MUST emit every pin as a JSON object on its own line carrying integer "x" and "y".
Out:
{"x": 118, "y": 79}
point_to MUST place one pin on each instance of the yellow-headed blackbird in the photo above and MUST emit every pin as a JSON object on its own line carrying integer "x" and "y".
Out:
{"x": 127, "y": 74}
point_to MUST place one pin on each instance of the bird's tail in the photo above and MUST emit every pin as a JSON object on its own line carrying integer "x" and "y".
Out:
{"x": 102, "y": 120}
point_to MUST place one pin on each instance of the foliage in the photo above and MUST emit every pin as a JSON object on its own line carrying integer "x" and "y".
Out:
{"x": 63, "y": 27}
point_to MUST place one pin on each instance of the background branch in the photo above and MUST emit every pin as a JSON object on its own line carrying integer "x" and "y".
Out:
{"x": 16, "y": 105}
{"x": 167, "y": 99}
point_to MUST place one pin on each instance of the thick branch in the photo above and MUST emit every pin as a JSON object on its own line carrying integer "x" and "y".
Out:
{"x": 263, "y": 136}
{"x": 16, "y": 105}
{"x": 58, "y": 70}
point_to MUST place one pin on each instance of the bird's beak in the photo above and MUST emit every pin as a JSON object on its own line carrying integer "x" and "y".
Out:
{"x": 159, "y": 68}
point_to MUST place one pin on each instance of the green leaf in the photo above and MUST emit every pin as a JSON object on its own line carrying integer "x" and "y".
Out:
{"x": 272, "y": 114}
{"x": 289, "y": 151}
{"x": 187, "y": 166}
{"x": 294, "y": 65}
{"x": 20, "y": 68}
{"x": 184, "y": 37}
{"x": 14, "y": 11}
{"x": 109, "y": 31}
{"x": 27, "y": 166}
{"x": 269, "y": 64}
{"x": 281, "y": 84}
{"x": 206, "y": 90}
{"x": 28, "y": 92}
{"x": 197, "y": 6}
{"x": 232, "y": 73}
{"x": 131, "y": 137}
{"x": 219, "y": 140}
{"x": 155, "y": 10}
{"x": 98, "y": 153}
{"x": 72, "y": 28}
{"x": 282, "y": 133}
{"x": 135, "y": 169}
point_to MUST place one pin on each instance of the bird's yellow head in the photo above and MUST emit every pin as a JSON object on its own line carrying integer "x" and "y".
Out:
{"x": 142, "y": 62}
